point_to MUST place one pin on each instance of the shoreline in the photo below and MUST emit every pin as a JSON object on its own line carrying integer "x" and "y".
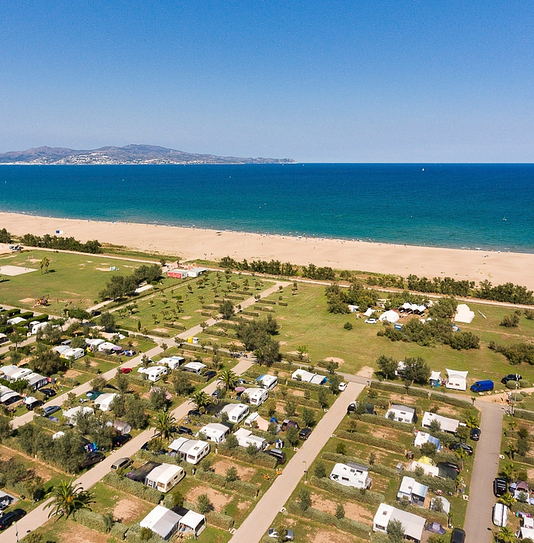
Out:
{"x": 210, "y": 244}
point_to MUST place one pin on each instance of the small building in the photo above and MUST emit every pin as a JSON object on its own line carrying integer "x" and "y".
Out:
{"x": 162, "y": 521}
{"x": 267, "y": 381}
{"x": 72, "y": 354}
{"x": 94, "y": 343}
{"x": 236, "y": 412}
{"x": 214, "y": 432}
{"x": 172, "y": 362}
{"x": 256, "y": 396}
{"x": 401, "y": 413}
{"x": 351, "y": 474}
{"x": 104, "y": 401}
{"x": 164, "y": 477}
{"x": 177, "y": 273}
{"x": 413, "y": 524}
{"x": 308, "y": 377}
{"x": 413, "y": 491}
{"x": 446, "y": 424}
{"x": 190, "y": 450}
{"x": 194, "y": 367}
{"x": 21, "y": 373}
{"x": 246, "y": 438}
{"x": 457, "y": 380}
{"x": 422, "y": 437}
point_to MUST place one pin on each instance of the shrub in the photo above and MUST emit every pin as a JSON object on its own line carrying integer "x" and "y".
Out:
{"x": 204, "y": 504}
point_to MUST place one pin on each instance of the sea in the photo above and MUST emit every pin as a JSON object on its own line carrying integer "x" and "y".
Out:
{"x": 475, "y": 206}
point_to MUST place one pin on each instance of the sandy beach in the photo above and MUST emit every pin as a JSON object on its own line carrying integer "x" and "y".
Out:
{"x": 191, "y": 243}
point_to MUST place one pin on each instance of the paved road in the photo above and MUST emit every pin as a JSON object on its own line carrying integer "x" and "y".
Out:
{"x": 478, "y": 522}
{"x": 262, "y": 517}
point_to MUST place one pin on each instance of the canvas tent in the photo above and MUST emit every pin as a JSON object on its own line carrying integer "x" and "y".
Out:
{"x": 390, "y": 316}
{"x": 162, "y": 521}
{"x": 464, "y": 314}
{"x": 457, "y": 380}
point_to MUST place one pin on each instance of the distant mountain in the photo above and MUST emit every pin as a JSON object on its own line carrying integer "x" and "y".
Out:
{"x": 131, "y": 154}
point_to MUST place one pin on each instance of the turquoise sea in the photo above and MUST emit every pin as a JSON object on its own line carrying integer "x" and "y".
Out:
{"x": 487, "y": 206}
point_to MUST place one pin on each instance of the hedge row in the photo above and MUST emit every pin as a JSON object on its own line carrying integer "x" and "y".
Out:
{"x": 309, "y": 386}
{"x": 283, "y": 304}
{"x": 347, "y": 525}
{"x": 434, "y": 483}
{"x": 78, "y": 365}
{"x": 376, "y": 468}
{"x": 175, "y": 326}
{"x": 374, "y": 441}
{"x": 382, "y": 421}
{"x": 431, "y": 516}
{"x": 239, "y": 453}
{"x": 523, "y": 414}
{"x": 95, "y": 521}
{"x": 132, "y": 487}
{"x": 364, "y": 496}
{"x": 250, "y": 313}
{"x": 242, "y": 487}
{"x": 265, "y": 301}
{"x": 147, "y": 456}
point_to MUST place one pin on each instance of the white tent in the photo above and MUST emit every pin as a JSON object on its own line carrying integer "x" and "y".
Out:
{"x": 464, "y": 314}
{"x": 457, "y": 380}
{"x": 390, "y": 316}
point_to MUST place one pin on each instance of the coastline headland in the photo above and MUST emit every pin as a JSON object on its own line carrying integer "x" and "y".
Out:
{"x": 193, "y": 243}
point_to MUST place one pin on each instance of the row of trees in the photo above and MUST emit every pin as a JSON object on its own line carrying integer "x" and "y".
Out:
{"x": 416, "y": 370}
{"x": 339, "y": 298}
{"x": 68, "y": 244}
{"x": 516, "y": 353}
{"x": 120, "y": 286}
{"x": 257, "y": 336}
{"x": 274, "y": 267}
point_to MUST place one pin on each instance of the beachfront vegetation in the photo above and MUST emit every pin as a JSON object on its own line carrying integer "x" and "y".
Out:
{"x": 58, "y": 242}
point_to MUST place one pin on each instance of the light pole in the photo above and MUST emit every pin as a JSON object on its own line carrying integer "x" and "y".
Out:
{"x": 305, "y": 472}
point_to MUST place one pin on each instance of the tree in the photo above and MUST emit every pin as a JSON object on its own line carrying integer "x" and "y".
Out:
{"x": 341, "y": 448}
{"x": 228, "y": 378}
{"x": 308, "y": 416}
{"x": 506, "y": 535}
{"x": 107, "y": 321}
{"x": 165, "y": 424}
{"x": 44, "y": 264}
{"x": 231, "y": 442}
{"x": 201, "y": 400}
{"x": 204, "y": 504}
{"x": 340, "y": 511}
{"x": 68, "y": 498}
{"x": 395, "y": 531}
{"x": 123, "y": 383}
{"x": 182, "y": 384}
{"x": 290, "y": 408}
{"x": 417, "y": 371}
{"x": 322, "y": 397}
{"x": 292, "y": 435}
{"x": 226, "y": 309}
{"x": 231, "y": 474}
{"x": 5, "y": 428}
{"x": 158, "y": 398}
{"x": 509, "y": 471}
{"x": 135, "y": 411}
{"x": 461, "y": 455}
{"x": 320, "y": 470}
{"x": 388, "y": 366}
{"x": 304, "y": 499}
{"x": 46, "y": 361}
{"x": 507, "y": 499}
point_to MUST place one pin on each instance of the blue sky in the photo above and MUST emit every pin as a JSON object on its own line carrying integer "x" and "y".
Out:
{"x": 339, "y": 81}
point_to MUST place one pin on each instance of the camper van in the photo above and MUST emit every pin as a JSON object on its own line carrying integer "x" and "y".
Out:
{"x": 482, "y": 386}
{"x": 500, "y": 514}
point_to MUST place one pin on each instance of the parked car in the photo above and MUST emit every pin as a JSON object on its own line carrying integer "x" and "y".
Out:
{"x": 278, "y": 454}
{"x": 9, "y": 518}
{"x": 458, "y": 536}
{"x": 475, "y": 434}
{"x": 370, "y": 321}
{"x": 511, "y": 377}
{"x": 305, "y": 433}
{"x": 129, "y": 352}
{"x": 119, "y": 441}
{"x": 49, "y": 409}
{"x": 93, "y": 394}
{"x": 31, "y": 406}
{"x": 289, "y": 423}
{"x": 210, "y": 375}
{"x": 126, "y": 370}
{"x": 288, "y": 534}
{"x": 467, "y": 448}
{"x": 95, "y": 313}
{"x": 342, "y": 386}
{"x": 122, "y": 463}
{"x": 92, "y": 458}
{"x": 185, "y": 430}
{"x": 194, "y": 413}
{"x": 500, "y": 487}
{"x": 450, "y": 465}
{"x": 48, "y": 392}
{"x": 5, "y": 502}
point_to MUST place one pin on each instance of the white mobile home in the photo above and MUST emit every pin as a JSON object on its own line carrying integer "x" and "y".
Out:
{"x": 164, "y": 477}
{"x": 155, "y": 373}
{"x": 74, "y": 354}
{"x": 36, "y": 381}
{"x": 428, "y": 469}
{"x": 236, "y": 411}
{"x": 413, "y": 491}
{"x": 256, "y": 396}
{"x": 457, "y": 380}
{"x": 246, "y": 438}
{"x": 413, "y": 524}
{"x": 214, "y": 432}
{"x": 446, "y": 424}
{"x": 22, "y": 373}
{"x": 350, "y": 474}
{"x": 6, "y": 371}
{"x": 104, "y": 401}
{"x": 422, "y": 437}
{"x": 267, "y": 381}
{"x": 190, "y": 450}
{"x": 94, "y": 343}
{"x": 71, "y": 414}
{"x": 194, "y": 367}
{"x": 162, "y": 521}
{"x": 172, "y": 362}
{"x": 401, "y": 413}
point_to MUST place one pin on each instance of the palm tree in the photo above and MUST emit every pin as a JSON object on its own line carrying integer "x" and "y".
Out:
{"x": 506, "y": 535}
{"x": 509, "y": 471}
{"x": 45, "y": 262}
{"x": 507, "y": 499}
{"x": 228, "y": 378}
{"x": 201, "y": 400}
{"x": 165, "y": 424}
{"x": 461, "y": 455}
{"x": 471, "y": 421}
{"x": 68, "y": 498}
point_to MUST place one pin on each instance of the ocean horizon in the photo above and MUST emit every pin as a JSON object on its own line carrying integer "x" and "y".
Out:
{"x": 470, "y": 206}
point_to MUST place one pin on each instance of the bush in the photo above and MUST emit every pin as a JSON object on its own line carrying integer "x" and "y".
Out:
{"x": 356, "y": 494}
{"x": 204, "y": 504}
{"x": 132, "y": 487}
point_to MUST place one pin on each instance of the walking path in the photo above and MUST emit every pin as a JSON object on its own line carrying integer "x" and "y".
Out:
{"x": 263, "y": 515}
{"x": 478, "y": 521}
